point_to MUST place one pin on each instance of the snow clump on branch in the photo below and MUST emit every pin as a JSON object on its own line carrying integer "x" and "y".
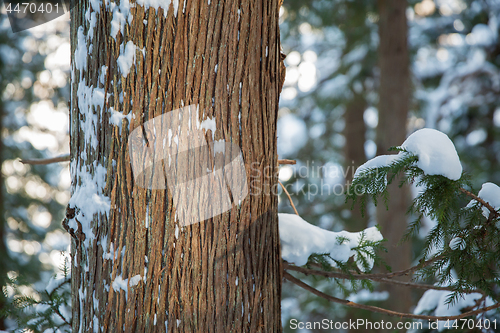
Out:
{"x": 491, "y": 194}
{"x": 435, "y": 151}
{"x": 300, "y": 239}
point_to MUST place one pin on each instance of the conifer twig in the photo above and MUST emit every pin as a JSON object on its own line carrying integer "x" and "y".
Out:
{"x": 289, "y": 197}
{"x": 377, "y": 309}
{"x": 43, "y": 161}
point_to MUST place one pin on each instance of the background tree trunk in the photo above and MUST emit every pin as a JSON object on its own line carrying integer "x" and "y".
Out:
{"x": 391, "y": 131}
{"x": 354, "y": 152}
{"x": 135, "y": 267}
{"x": 4, "y": 255}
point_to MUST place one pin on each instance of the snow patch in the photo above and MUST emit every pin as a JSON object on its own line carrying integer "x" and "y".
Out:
{"x": 117, "y": 117}
{"x": 89, "y": 199}
{"x": 436, "y": 153}
{"x": 376, "y": 162}
{"x": 434, "y": 302}
{"x": 54, "y": 283}
{"x": 219, "y": 146}
{"x": 164, "y": 4}
{"x": 119, "y": 283}
{"x": 121, "y": 14}
{"x": 299, "y": 240}
{"x": 126, "y": 58}
{"x": 88, "y": 100}
{"x": 81, "y": 50}
{"x": 457, "y": 243}
{"x": 491, "y": 194}
{"x": 209, "y": 124}
{"x": 135, "y": 280}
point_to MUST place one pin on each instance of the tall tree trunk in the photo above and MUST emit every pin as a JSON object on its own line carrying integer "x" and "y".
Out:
{"x": 141, "y": 262}
{"x": 354, "y": 154}
{"x": 391, "y": 131}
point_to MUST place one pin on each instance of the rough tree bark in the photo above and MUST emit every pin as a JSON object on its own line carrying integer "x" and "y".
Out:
{"x": 394, "y": 97}
{"x": 136, "y": 268}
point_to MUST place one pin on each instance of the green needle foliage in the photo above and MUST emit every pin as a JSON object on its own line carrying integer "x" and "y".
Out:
{"x": 465, "y": 242}
{"x": 43, "y": 310}
{"x": 365, "y": 257}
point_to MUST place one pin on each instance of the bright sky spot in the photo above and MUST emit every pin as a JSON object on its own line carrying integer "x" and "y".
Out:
{"x": 442, "y": 54}
{"x": 293, "y": 58}
{"x": 285, "y": 173}
{"x": 289, "y": 93}
{"x": 496, "y": 117}
{"x": 425, "y": 8}
{"x": 458, "y": 25}
{"x": 45, "y": 116}
{"x": 370, "y": 116}
{"x": 307, "y": 79}
{"x": 60, "y": 59}
{"x": 292, "y": 75}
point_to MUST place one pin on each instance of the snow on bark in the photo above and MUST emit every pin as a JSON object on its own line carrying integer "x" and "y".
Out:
{"x": 88, "y": 197}
{"x": 126, "y": 58}
{"x": 156, "y": 4}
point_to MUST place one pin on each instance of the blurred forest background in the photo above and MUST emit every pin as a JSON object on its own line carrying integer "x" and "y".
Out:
{"x": 331, "y": 120}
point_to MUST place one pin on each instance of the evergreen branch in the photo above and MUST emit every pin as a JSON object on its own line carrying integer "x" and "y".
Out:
{"x": 377, "y": 309}
{"x": 289, "y": 197}
{"x": 481, "y": 201}
{"x": 43, "y": 161}
{"x": 56, "y": 309}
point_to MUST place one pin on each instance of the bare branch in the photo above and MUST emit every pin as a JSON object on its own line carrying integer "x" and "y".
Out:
{"x": 377, "y": 309}
{"x": 289, "y": 197}
{"x": 417, "y": 285}
{"x": 407, "y": 271}
{"x": 287, "y": 161}
{"x": 62, "y": 158}
{"x": 344, "y": 276}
